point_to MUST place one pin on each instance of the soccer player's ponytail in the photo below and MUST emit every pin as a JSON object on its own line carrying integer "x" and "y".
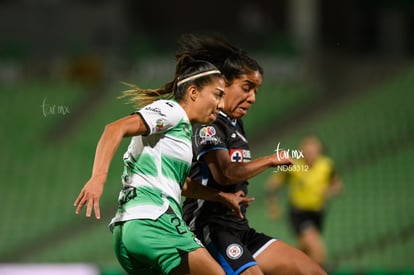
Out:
{"x": 188, "y": 71}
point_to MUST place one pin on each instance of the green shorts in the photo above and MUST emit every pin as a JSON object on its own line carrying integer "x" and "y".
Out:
{"x": 153, "y": 246}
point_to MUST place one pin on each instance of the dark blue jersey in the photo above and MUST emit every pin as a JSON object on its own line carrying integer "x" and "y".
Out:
{"x": 223, "y": 134}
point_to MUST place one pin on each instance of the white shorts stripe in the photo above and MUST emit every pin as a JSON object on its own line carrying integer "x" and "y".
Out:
{"x": 266, "y": 245}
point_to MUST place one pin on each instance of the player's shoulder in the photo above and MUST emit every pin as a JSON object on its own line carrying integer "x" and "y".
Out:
{"x": 164, "y": 108}
{"x": 163, "y": 104}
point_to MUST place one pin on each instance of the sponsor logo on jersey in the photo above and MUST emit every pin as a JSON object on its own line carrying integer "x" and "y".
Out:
{"x": 155, "y": 110}
{"x": 234, "y": 251}
{"x": 240, "y": 155}
{"x": 247, "y": 154}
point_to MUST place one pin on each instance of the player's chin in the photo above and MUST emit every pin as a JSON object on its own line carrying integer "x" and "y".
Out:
{"x": 210, "y": 119}
{"x": 213, "y": 117}
{"x": 239, "y": 113}
{"x": 243, "y": 111}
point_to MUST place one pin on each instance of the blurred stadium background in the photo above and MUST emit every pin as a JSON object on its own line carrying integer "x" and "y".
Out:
{"x": 342, "y": 70}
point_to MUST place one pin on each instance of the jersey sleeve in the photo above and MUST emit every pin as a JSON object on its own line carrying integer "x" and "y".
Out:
{"x": 208, "y": 138}
{"x": 161, "y": 115}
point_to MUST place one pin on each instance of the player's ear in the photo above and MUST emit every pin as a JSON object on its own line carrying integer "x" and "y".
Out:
{"x": 192, "y": 92}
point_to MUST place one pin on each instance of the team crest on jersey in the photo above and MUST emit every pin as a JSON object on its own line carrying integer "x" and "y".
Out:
{"x": 159, "y": 124}
{"x": 240, "y": 155}
{"x": 207, "y": 135}
{"x": 234, "y": 251}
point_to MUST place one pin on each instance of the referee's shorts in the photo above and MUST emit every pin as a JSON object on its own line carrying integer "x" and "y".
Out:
{"x": 301, "y": 220}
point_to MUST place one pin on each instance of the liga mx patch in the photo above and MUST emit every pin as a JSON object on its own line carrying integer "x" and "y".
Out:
{"x": 207, "y": 135}
{"x": 240, "y": 155}
{"x": 160, "y": 124}
{"x": 234, "y": 251}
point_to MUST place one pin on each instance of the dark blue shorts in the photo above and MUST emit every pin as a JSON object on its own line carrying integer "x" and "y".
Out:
{"x": 235, "y": 250}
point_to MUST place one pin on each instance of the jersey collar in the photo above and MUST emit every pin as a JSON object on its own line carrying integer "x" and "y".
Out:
{"x": 233, "y": 122}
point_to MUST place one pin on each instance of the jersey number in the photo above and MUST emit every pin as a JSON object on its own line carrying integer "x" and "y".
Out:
{"x": 178, "y": 225}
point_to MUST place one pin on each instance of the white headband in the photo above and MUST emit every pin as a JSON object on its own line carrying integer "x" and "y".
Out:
{"x": 197, "y": 76}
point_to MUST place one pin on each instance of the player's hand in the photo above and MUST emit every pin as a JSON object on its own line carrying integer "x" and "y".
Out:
{"x": 282, "y": 158}
{"x": 89, "y": 196}
{"x": 233, "y": 201}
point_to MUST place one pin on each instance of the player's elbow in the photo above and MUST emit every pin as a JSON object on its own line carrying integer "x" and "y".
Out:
{"x": 189, "y": 189}
{"x": 116, "y": 129}
{"x": 226, "y": 178}
{"x": 112, "y": 127}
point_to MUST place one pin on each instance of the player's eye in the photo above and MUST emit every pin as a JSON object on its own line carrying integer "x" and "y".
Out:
{"x": 246, "y": 88}
{"x": 219, "y": 94}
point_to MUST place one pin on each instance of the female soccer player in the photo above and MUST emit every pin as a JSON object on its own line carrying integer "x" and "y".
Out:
{"x": 149, "y": 234}
{"x": 222, "y": 160}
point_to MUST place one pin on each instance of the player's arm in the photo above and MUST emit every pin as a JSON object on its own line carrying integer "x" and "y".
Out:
{"x": 108, "y": 144}
{"x": 195, "y": 190}
{"x": 335, "y": 188}
{"x": 226, "y": 172}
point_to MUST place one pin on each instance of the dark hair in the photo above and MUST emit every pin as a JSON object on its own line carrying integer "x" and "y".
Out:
{"x": 229, "y": 59}
{"x": 186, "y": 66}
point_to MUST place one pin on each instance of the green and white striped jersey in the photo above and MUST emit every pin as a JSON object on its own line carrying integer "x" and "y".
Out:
{"x": 156, "y": 164}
